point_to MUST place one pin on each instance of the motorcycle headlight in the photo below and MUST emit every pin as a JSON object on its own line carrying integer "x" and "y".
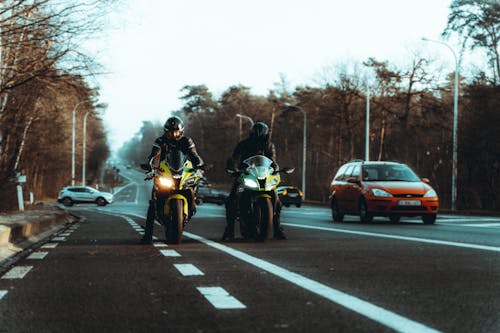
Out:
{"x": 380, "y": 193}
{"x": 165, "y": 182}
{"x": 250, "y": 183}
{"x": 430, "y": 193}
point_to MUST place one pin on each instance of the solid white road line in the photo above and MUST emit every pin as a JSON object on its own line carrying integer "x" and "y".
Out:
{"x": 170, "y": 253}
{"x": 371, "y": 311}
{"x": 3, "y": 293}
{"x": 17, "y": 272}
{"x": 412, "y": 239}
{"x": 37, "y": 255}
{"x": 220, "y": 298}
{"x": 482, "y": 225}
{"x": 188, "y": 269}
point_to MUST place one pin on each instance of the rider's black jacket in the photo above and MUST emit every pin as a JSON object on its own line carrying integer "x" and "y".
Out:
{"x": 164, "y": 145}
{"x": 250, "y": 147}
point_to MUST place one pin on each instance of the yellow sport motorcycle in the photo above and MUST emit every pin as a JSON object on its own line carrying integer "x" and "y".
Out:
{"x": 174, "y": 188}
{"x": 256, "y": 196}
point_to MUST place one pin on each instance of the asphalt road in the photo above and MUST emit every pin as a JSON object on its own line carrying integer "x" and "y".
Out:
{"x": 348, "y": 277}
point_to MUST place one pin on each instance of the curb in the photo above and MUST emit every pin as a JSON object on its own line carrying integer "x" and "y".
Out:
{"x": 19, "y": 231}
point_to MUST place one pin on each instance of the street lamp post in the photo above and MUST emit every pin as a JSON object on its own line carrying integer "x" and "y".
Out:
{"x": 454, "y": 172}
{"x": 304, "y": 145}
{"x": 246, "y": 117}
{"x": 367, "y": 125}
{"x": 84, "y": 146}
{"x": 73, "y": 140}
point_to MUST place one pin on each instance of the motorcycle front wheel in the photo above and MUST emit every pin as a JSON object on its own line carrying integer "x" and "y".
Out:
{"x": 176, "y": 224}
{"x": 263, "y": 210}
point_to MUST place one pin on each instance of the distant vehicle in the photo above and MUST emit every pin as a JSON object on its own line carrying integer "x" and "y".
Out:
{"x": 211, "y": 195}
{"x": 290, "y": 195}
{"x": 388, "y": 189}
{"x": 70, "y": 195}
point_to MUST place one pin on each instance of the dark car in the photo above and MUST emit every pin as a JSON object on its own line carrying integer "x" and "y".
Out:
{"x": 209, "y": 194}
{"x": 390, "y": 189}
{"x": 290, "y": 195}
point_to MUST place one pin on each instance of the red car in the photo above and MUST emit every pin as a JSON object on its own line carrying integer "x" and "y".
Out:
{"x": 388, "y": 189}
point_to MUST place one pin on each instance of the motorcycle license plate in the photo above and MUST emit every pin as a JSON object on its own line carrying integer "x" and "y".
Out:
{"x": 409, "y": 203}
{"x": 292, "y": 195}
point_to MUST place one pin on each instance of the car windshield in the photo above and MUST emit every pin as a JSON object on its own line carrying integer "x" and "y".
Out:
{"x": 389, "y": 172}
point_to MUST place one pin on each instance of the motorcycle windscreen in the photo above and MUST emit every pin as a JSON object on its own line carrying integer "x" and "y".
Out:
{"x": 176, "y": 160}
{"x": 259, "y": 166}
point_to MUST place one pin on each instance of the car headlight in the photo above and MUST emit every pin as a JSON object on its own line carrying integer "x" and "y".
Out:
{"x": 380, "y": 193}
{"x": 430, "y": 193}
{"x": 165, "y": 182}
{"x": 250, "y": 183}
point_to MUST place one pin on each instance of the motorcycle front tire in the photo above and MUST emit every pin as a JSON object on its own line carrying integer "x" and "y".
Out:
{"x": 263, "y": 210}
{"x": 176, "y": 223}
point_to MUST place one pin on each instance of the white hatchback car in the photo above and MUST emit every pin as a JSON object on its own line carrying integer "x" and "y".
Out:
{"x": 70, "y": 195}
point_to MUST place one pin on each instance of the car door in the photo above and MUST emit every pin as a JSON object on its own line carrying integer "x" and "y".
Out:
{"x": 341, "y": 189}
{"x": 353, "y": 188}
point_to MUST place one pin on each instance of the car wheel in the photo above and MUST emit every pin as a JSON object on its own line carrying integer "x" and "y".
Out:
{"x": 429, "y": 218}
{"x": 199, "y": 201}
{"x": 336, "y": 214}
{"x": 101, "y": 202}
{"x": 297, "y": 205}
{"x": 395, "y": 219}
{"x": 364, "y": 215}
{"x": 67, "y": 202}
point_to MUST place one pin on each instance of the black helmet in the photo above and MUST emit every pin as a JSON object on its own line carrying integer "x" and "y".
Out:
{"x": 259, "y": 129}
{"x": 174, "y": 127}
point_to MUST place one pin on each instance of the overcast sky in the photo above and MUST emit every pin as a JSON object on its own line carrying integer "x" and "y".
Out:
{"x": 155, "y": 47}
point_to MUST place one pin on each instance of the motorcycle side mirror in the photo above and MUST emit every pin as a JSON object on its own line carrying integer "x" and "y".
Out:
{"x": 230, "y": 171}
{"x": 287, "y": 170}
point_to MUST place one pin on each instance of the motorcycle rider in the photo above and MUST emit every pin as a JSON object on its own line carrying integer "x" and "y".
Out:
{"x": 257, "y": 143}
{"x": 172, "y": 138}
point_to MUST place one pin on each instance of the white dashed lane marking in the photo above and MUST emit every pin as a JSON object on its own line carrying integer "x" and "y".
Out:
{"x": 59, "y": 239}
{"x": 17, "y": 272}
{"x": 156, "y": 244}
{"x": 170, "y": 253}
{"x": 37, "y": 255}
{"x": 49, "y": 245}
{"x": 220, "y": 298}
{"x": 3, "y": 293}
{"x": 188, "y": 269}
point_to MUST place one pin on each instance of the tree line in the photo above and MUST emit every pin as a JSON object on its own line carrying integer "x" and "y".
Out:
{"x": 43, "y": 77}
{"x": 411, "y": 119}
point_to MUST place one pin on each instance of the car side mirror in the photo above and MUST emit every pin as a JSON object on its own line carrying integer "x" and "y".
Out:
{"x": 426, "y": 180}
{"x": 353, "y": 180}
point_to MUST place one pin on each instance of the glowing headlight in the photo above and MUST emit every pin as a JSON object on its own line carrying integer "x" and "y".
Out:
{"x": 250, "y": 183}
{"x": 165, "y": 182}
{"x": 430, "y": 193}
{"x": 380, "y": 193}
